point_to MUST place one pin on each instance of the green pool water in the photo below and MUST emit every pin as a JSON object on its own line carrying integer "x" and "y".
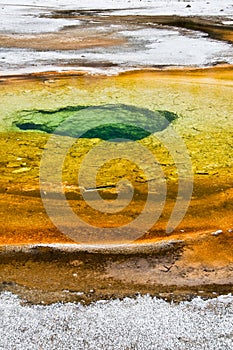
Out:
{"x": 201, "y": 111}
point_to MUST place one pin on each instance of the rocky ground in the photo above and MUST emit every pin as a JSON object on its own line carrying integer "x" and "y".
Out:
{"x": 141, "y": 323}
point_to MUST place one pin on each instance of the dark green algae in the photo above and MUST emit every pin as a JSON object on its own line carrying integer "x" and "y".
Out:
{"x": 107, "y": 122}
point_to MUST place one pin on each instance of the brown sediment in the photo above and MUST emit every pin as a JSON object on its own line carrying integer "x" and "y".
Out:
{"x": 228, "y": 36}
{"x": 57, "y": 41}
{"x": 213, "y": 26}
{"x": 41, "y": 274}
{"x": 218, "y": 73}
{"x": 86, "y": 36}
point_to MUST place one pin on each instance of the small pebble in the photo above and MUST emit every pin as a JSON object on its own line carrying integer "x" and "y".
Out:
{"x": 216, "y": 233}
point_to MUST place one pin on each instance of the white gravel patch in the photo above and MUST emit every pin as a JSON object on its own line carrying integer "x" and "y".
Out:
{"x": 144, "y": 323}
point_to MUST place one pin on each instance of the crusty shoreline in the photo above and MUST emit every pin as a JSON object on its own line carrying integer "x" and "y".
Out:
{"x": 51, "y": 273}
{"x": 218, "y": 72}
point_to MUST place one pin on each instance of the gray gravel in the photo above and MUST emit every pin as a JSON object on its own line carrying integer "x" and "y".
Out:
{"x": 143, "y": 323}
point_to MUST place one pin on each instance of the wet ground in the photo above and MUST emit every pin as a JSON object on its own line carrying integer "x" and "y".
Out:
{"x": 172, "y": 269}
